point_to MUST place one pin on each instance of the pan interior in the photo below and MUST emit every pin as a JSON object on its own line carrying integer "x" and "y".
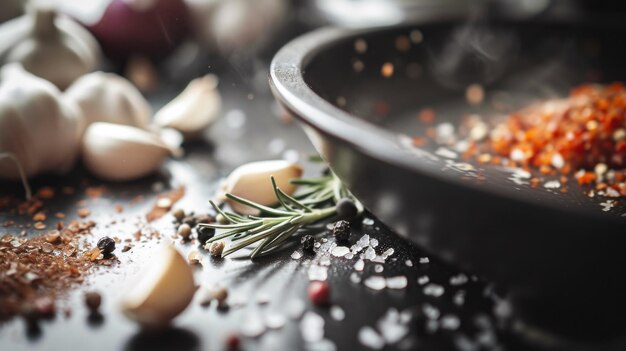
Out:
{"x": 389, "y": 77}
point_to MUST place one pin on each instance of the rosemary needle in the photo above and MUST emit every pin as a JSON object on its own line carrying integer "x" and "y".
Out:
{"x": 314, "y": 201}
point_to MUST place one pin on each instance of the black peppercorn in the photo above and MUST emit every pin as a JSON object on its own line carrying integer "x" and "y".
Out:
{"x": 346, "y": 209}
{"x": 106, "y": 245}
{"x": 204, "y": 234}
{"x": 308, "y": 243}
{"x": 341, "y": 231}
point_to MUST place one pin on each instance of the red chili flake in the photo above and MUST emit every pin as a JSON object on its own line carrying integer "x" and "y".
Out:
{"x": 232, "y": 342}
{"x": 46, "y": 193}
{"x": 83, "y": 212}
{"x": 427, "y": 116}
{"x": 319, "y": 293}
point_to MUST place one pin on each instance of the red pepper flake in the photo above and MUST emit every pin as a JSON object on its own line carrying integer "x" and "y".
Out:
{"x": 39, "y": 226}
{"x": 59, "y": 215}
{"x": 319, "y": 293}
{"x": 45, "y": 193}
{"x": 83, "y": 212}
{"x": 164, "y": 203}
{"x": 426, "y": 116}
{"x": 39, "y": 217}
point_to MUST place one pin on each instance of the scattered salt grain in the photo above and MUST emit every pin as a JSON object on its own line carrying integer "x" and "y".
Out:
{"x": 318, "y": 273}
{"x": 399, "y": 282}
{"x": 295, "y": 308}
{"x": 359, "y": 265}
{"x": 349, "y": 255}
{"x": 430, "y": 311}
{"x": 337, "y": 313}
{"x": 434, "y": 290}
{"x": 325, "y": 260}
{"x": 459, "y": 298}
{"x": 368, "y": 221}
{"x": 375, "y": 282}
{"x": 370, "y": 338}
{"x": 296, "y": 255}
{"x": 355, "y": 278}
{"x": 373, "y": 243}
{"x": 423, "y": 280}
{"x": 458, "y": 279}
{"x": 450, "y": 322}
{"x": 445, "y": 152}
{"x": 388, "y": 253}
{"x": 340, "y": 251}
{"x": 369, "y": 254}
{"x": 378, "y": 268}
{"x": 275, "y": 321}
{"x": 552, "y": 184}
{"x": 424, "y": 260}
{"x": 408, "y": 263}
{"x": 312, "y": 327}
{"x": 391, "y": 327}
{"x": 253, "y": 326}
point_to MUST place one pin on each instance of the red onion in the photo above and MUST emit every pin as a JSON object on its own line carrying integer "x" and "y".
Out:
{"x": 149, "y": 27}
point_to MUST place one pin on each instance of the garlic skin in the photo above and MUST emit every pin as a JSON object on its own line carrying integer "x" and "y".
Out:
{"x": 194, "y": 110}
{"x": 117, "y": 152}
{"x": 252, "y": 181}
{"x": 107, "y": 97}
{"x": 163, "y": 291}
{"x": 40, "y": 129}
{"x": 51, "y": 53}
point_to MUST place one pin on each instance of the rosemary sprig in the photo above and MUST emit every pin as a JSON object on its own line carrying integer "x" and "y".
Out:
{"x": 315, "y": 200}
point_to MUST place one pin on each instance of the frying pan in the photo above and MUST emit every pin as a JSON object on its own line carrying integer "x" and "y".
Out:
{"x": 560, "y": 255}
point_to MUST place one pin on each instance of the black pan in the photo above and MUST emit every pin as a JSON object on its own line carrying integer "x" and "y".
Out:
{"x": 560, "y": 254}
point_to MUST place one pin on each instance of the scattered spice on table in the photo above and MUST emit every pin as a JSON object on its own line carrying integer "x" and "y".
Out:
{"x": 164, "y": 203}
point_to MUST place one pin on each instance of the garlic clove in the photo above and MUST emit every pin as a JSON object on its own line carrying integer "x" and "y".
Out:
{"x": 118, "y": 153}
{"x": 107, "y": 97}
{"x": 252, "y": 181}
{"x": 163, "y": 291}
{"x": 195, "y": 109}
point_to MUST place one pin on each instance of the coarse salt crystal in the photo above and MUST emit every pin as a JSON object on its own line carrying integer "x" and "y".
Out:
{"x": 319, "y": 273}
{"x": 355, "y": 278}
{"x": 408, "y": 263}
{"x": 399, "y": 282}
{"x": 340, "y": 251}
{"x": 359, "y": 265}
{"x": 296, "y": 255}
{"x": 424, "y": 260}
{"x": 378, "y": 268}
{"x": 370, "y": 338}
{"x": 434, "y": 290}
{"x": 375, "y": 282}
{"x": 337, "y": 313}
{"x": 312, "y": 327}
{"x": 423, "y": 280}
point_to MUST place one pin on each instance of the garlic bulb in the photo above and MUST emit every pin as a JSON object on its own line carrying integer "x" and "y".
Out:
{"x": 240, "y": 25}
{"x": 252, "y": 181}
{"x": 117, "y": 152}
{"x": 37, "y": 127}
{"x": 163, "y": 292}
{"x": 107, "y": 97}
{"x": 194, "y": 109}
{"x": 49, "y": 51}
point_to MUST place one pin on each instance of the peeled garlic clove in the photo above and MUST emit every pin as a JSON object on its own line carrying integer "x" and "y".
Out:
{"x": 163, "y": 291}
{"x": 194, "y": 109}
{"x": 252, "y": 181}
{"x": 107, "y": 97}
{"x": 117, "y": 152}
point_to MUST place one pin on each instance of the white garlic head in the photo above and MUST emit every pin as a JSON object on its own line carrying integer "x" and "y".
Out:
{"x": 194, "y": 110}
{"x": 107, "y": 97}
{"x": 51, "y": 53}
{"x": 36, "y": 125}
{"x": 118, "y": 153}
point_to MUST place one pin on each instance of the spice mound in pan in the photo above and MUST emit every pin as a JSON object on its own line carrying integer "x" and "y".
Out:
{"x": 584, "y": 134}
